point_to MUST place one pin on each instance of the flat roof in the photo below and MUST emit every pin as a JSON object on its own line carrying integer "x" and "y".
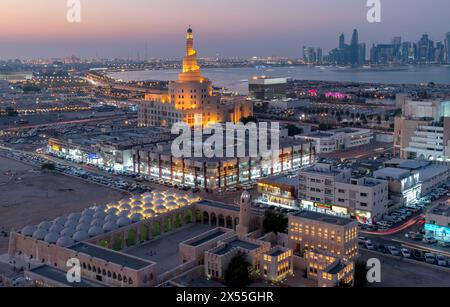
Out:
{"x": 392, "y": 172}
{"x": 325, "y": 218}
{"x": 111, "y": 256}
{"x": 281, "y": 179}
{"x": 441, "y": 209}
{"x": 413, "y": 164}
{"x": 61, "y": 277}
{"x": 208, "y": 238}
{"x": 235, "y": 244}
{"x": 220, "y": 205}
{"x": 336, "y": 268}
{"x": 277, "y": 252}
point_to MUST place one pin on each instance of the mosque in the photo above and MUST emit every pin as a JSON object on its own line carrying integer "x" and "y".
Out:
{"x": 191, "y": 99}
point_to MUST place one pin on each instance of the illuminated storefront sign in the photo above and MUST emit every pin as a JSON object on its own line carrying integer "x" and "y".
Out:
{"x": 440, "y": 233}
{"x": 56, "y": 148}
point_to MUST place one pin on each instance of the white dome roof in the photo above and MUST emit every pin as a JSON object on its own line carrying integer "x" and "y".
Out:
{"x": 40, "y": 234}
{"x": 135, "y": 197}
{"x": 160, "y": 208}
{"x": 86, "y": 219}
{"x": 172, "y": 205}
{"x": 60, "y": 220}
{"x": 68, "y": 232}
{"x": 137, "y": 203}
{"x": 124, "y": 213}
{"x": 123, "y": 221}
{"x": 80, "y": 236}
{"x": 95, "y": 231}
{"x": 65, "y": 242}
{"x": 136, "y": 209}
{"x": 149, "y": 206}
{"x": 71, "y": 224}
{"x": 149, "y": 213}
{"x": 111, "y": 218}
{"x": 136, "y": 217}
{"x": 83, "y": 227}
{"x": 74, "y": 216}
{"x": 147, "y": 194}
{"x": 160, "y": 201}
{"x": 110, "y": 226}
{"x": 97, "y": 222}
{"x": 159, "y": 195}
{"x": 88, "y": 212}
{"x": 170, "y": 198}
{"x": 125, "y": 207}
{"x": 112, "y": 211}
{"x": 51, "y": 238}
{"x": 45, "y": 225}
{"x": 100, "y": 208}
{"x": 29, "y": 230}
{"x": 99, "y": 215}
{"x": 183, "y": 201}
{"x": 56, "y": 228}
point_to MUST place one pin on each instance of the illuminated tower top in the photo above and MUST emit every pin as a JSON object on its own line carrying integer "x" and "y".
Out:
{"x": 191, "y": 69}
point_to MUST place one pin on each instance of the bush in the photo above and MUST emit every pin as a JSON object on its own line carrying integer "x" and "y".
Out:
{"x": 238, "y": 272}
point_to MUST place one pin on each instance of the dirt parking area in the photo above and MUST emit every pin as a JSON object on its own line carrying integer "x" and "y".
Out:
{"x": 29, "y": 196}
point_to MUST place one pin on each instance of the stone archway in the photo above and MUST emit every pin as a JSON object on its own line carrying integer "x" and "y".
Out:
{"x": 213, "y": 219}
{"x": 132, "y": 237}
{"x": 221, "y": 220}
{"x": 188, "y": 217}
{"x": 229, "y": 222}
{"x": 206, "y": 218}
{"x": 156, "y": 229}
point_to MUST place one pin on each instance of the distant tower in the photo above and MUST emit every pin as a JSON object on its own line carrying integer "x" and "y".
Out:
{"x": 245, "y": 214}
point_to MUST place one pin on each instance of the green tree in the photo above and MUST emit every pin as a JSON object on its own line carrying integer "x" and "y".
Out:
{"x": 274, "y": 221}
{"x": 238, "y": 272}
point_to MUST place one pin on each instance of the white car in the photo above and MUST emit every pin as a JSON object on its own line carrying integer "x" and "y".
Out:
{"x": 406, "y": 253}
{"x": 429, "y": 240}
{"x": 370, "y": 246}
{"x": 441, "y": 260}
{"x": 430, "y": 258}
{"x": 393, "y": 250}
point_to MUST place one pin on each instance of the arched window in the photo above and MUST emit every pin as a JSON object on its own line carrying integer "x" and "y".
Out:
{"x": 114, "y": 276}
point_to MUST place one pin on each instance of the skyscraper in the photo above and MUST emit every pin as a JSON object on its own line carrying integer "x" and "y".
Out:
{"x": 354, "y": 49}
{"x": 447, "y": 47}
{"x": 342, "y": 41}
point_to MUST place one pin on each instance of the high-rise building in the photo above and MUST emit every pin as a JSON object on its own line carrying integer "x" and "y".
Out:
{"x": 354, "y": 48}
{"x": 342, "y": 41}
{"x": 447, "y": 47}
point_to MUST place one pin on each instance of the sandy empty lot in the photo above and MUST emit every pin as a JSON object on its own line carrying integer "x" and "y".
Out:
{"x": 28, "y": 196}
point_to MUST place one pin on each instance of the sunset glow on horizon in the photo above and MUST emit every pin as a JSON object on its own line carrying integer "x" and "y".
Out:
{"x": 231, "y": 28}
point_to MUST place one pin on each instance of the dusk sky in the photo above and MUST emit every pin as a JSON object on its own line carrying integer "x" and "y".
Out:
{"x": 118, "y": 28}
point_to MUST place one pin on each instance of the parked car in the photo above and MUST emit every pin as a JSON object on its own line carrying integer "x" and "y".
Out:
{"x": 382, "y": 248}
{"x": 430, "y": 258}
{"x": 370, "y": 246}
{"x": 393, "y": 251}
{"x": 441, "y": 260}
{"x": 406, "y": 253}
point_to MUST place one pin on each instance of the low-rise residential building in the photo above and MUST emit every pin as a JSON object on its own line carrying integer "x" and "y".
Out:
{"x": 327, "y": 189}
{"x": 323, "y": 241}
{"x": 431, "y": 175}
{"x": 280, "y": 190}
{"x": 277, "y": 264}
{"x": 404, "y": 185}
{"x": 339, "y": 139}
{"x": 218, "y": 259}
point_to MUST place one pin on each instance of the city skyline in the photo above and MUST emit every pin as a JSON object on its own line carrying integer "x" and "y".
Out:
{"x": 155, "y": 27}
